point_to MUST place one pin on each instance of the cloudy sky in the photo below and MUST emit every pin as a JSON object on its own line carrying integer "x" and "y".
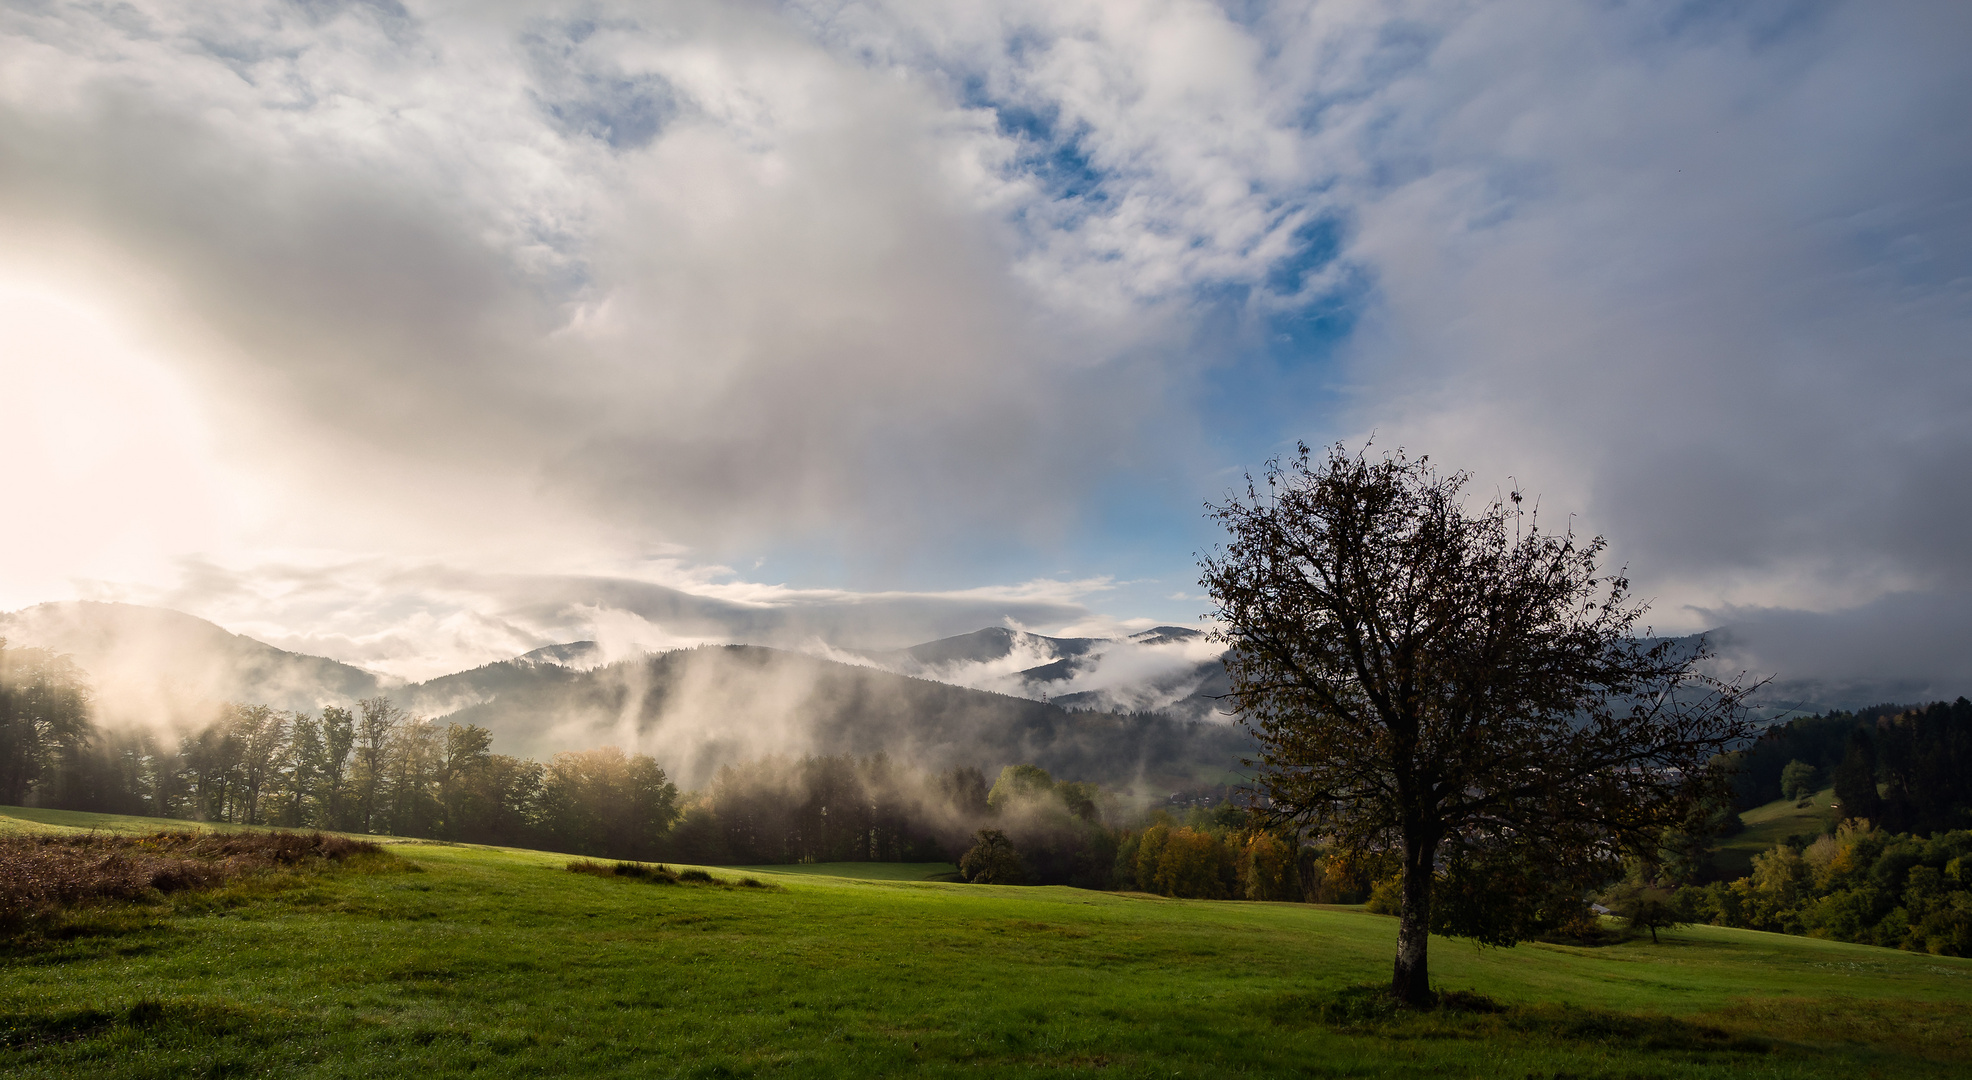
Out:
{"x": 422, "y": 334}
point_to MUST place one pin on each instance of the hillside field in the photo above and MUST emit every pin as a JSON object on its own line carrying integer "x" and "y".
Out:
{"x": 1772, "y": 824}
{"x": 449, "y": 960}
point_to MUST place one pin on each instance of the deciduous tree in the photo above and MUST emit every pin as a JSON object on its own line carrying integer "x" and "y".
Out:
{"x": 376, "y": 722}
{"x": 991, "y": 860}
{"x": 1461, "y": 688}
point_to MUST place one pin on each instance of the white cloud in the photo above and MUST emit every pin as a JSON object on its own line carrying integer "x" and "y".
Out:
{"x": 1653, "y": 274}
{"x": 414, "y": 621}
{"x": 467, "y": 304}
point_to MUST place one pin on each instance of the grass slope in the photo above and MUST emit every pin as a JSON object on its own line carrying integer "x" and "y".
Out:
{"x": 24, "y": 819}
{"x": 867, "y": 871}
{"x": 501, "y": 963}
{"x": 1769, "y": 825}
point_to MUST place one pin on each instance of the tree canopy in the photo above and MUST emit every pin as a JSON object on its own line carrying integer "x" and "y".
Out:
{"x": 1463, "y": 690}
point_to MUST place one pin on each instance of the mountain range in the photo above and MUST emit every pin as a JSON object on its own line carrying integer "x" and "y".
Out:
{"x": 1170, "y": 669}
{"x": 1108, "y": 709}
{"x": 1124, "y": 712}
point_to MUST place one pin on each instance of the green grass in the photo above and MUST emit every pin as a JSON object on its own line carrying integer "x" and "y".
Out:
{"x": 868, "y": 871}
{"x": 499, "y": 962}
{"x": 20, "y": 819}
{"x": 1771, "y": 824}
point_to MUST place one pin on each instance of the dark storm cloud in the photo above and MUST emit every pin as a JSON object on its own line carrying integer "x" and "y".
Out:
{"x": 1708, "y": 284}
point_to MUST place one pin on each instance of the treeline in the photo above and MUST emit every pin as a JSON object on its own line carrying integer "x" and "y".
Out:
{"x": 1903, "y": 768}
{"x": 843, "y": 809}
{"x": 375, "y": 769}
{"x": 371, "y": 769}
{"x": 846, "y": 809}
{"x": 1860, "y": 884}
{"x": 45, "y": 731}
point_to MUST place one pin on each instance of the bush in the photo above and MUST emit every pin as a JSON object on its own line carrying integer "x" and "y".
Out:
{"x": 656, "y": 875}
{"x": 1386, "y": 897}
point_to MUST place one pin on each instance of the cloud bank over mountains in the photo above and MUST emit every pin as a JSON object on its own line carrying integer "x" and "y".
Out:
{"x": 416, "y": 335}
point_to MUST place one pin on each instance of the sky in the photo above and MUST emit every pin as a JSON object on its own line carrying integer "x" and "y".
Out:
{"x": 419, "y": 335}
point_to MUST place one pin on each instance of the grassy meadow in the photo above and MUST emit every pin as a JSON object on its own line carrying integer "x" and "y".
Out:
{"x": 1772, "y": 824}
{"x": 446, "y": 960}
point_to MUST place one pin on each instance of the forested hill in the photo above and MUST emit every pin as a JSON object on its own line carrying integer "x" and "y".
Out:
{"x": 1906, "y": 768}
{"x": 154, "y": 665}
{"x": 695, "y": 709}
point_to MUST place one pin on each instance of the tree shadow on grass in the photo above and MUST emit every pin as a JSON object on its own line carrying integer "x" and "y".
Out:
{"x": 1463, "y": 1014}
{"x": 30, "y": 1031}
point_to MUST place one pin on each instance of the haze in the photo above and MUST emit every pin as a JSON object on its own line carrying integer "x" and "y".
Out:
{"x": 423, "y": 335}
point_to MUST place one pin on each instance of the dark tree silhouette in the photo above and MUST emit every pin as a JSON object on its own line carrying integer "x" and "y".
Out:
{"x": 1460, "y": 689}
{"x": 992, "y": 860}
{"x": 1855, "y": 780}
{"x": 1645, "y": 905}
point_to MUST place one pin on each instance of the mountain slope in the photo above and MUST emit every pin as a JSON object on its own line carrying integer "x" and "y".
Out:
{"x": 1171, "y": 669}
{"x": 155, "y": 665}
{"x": 695, "y": 709}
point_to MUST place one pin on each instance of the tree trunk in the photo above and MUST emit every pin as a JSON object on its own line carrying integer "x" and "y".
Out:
{"x": 1411, "y": 983}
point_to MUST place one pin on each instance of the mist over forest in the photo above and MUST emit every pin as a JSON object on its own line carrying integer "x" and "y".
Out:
{"x": 697, "y": 709}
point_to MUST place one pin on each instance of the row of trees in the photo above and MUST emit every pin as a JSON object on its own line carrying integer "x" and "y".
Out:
{"x": 846, "y": 809}
{"x": 374, "y": 769}
{"x": 1210, "y": 864}
{"x": 831, "y": 808}
{"x": 369, "y": 769}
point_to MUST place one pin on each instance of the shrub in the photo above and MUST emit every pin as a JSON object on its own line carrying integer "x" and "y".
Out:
{"x": 1386, "y": 897}
{"x": 656, "y": 875}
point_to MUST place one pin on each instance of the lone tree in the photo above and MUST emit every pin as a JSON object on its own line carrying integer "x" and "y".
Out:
{"x": 992, "y": 860}
{"x": 1461, "y": 690}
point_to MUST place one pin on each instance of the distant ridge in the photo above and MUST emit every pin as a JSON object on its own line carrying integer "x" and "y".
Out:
{"x": 570, "y": 654}
{"x": 983, "y": 647}
{"x": 156, "y": 665}
{"x": 1160, "y": 635}
{"x": 696, "y": 709}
